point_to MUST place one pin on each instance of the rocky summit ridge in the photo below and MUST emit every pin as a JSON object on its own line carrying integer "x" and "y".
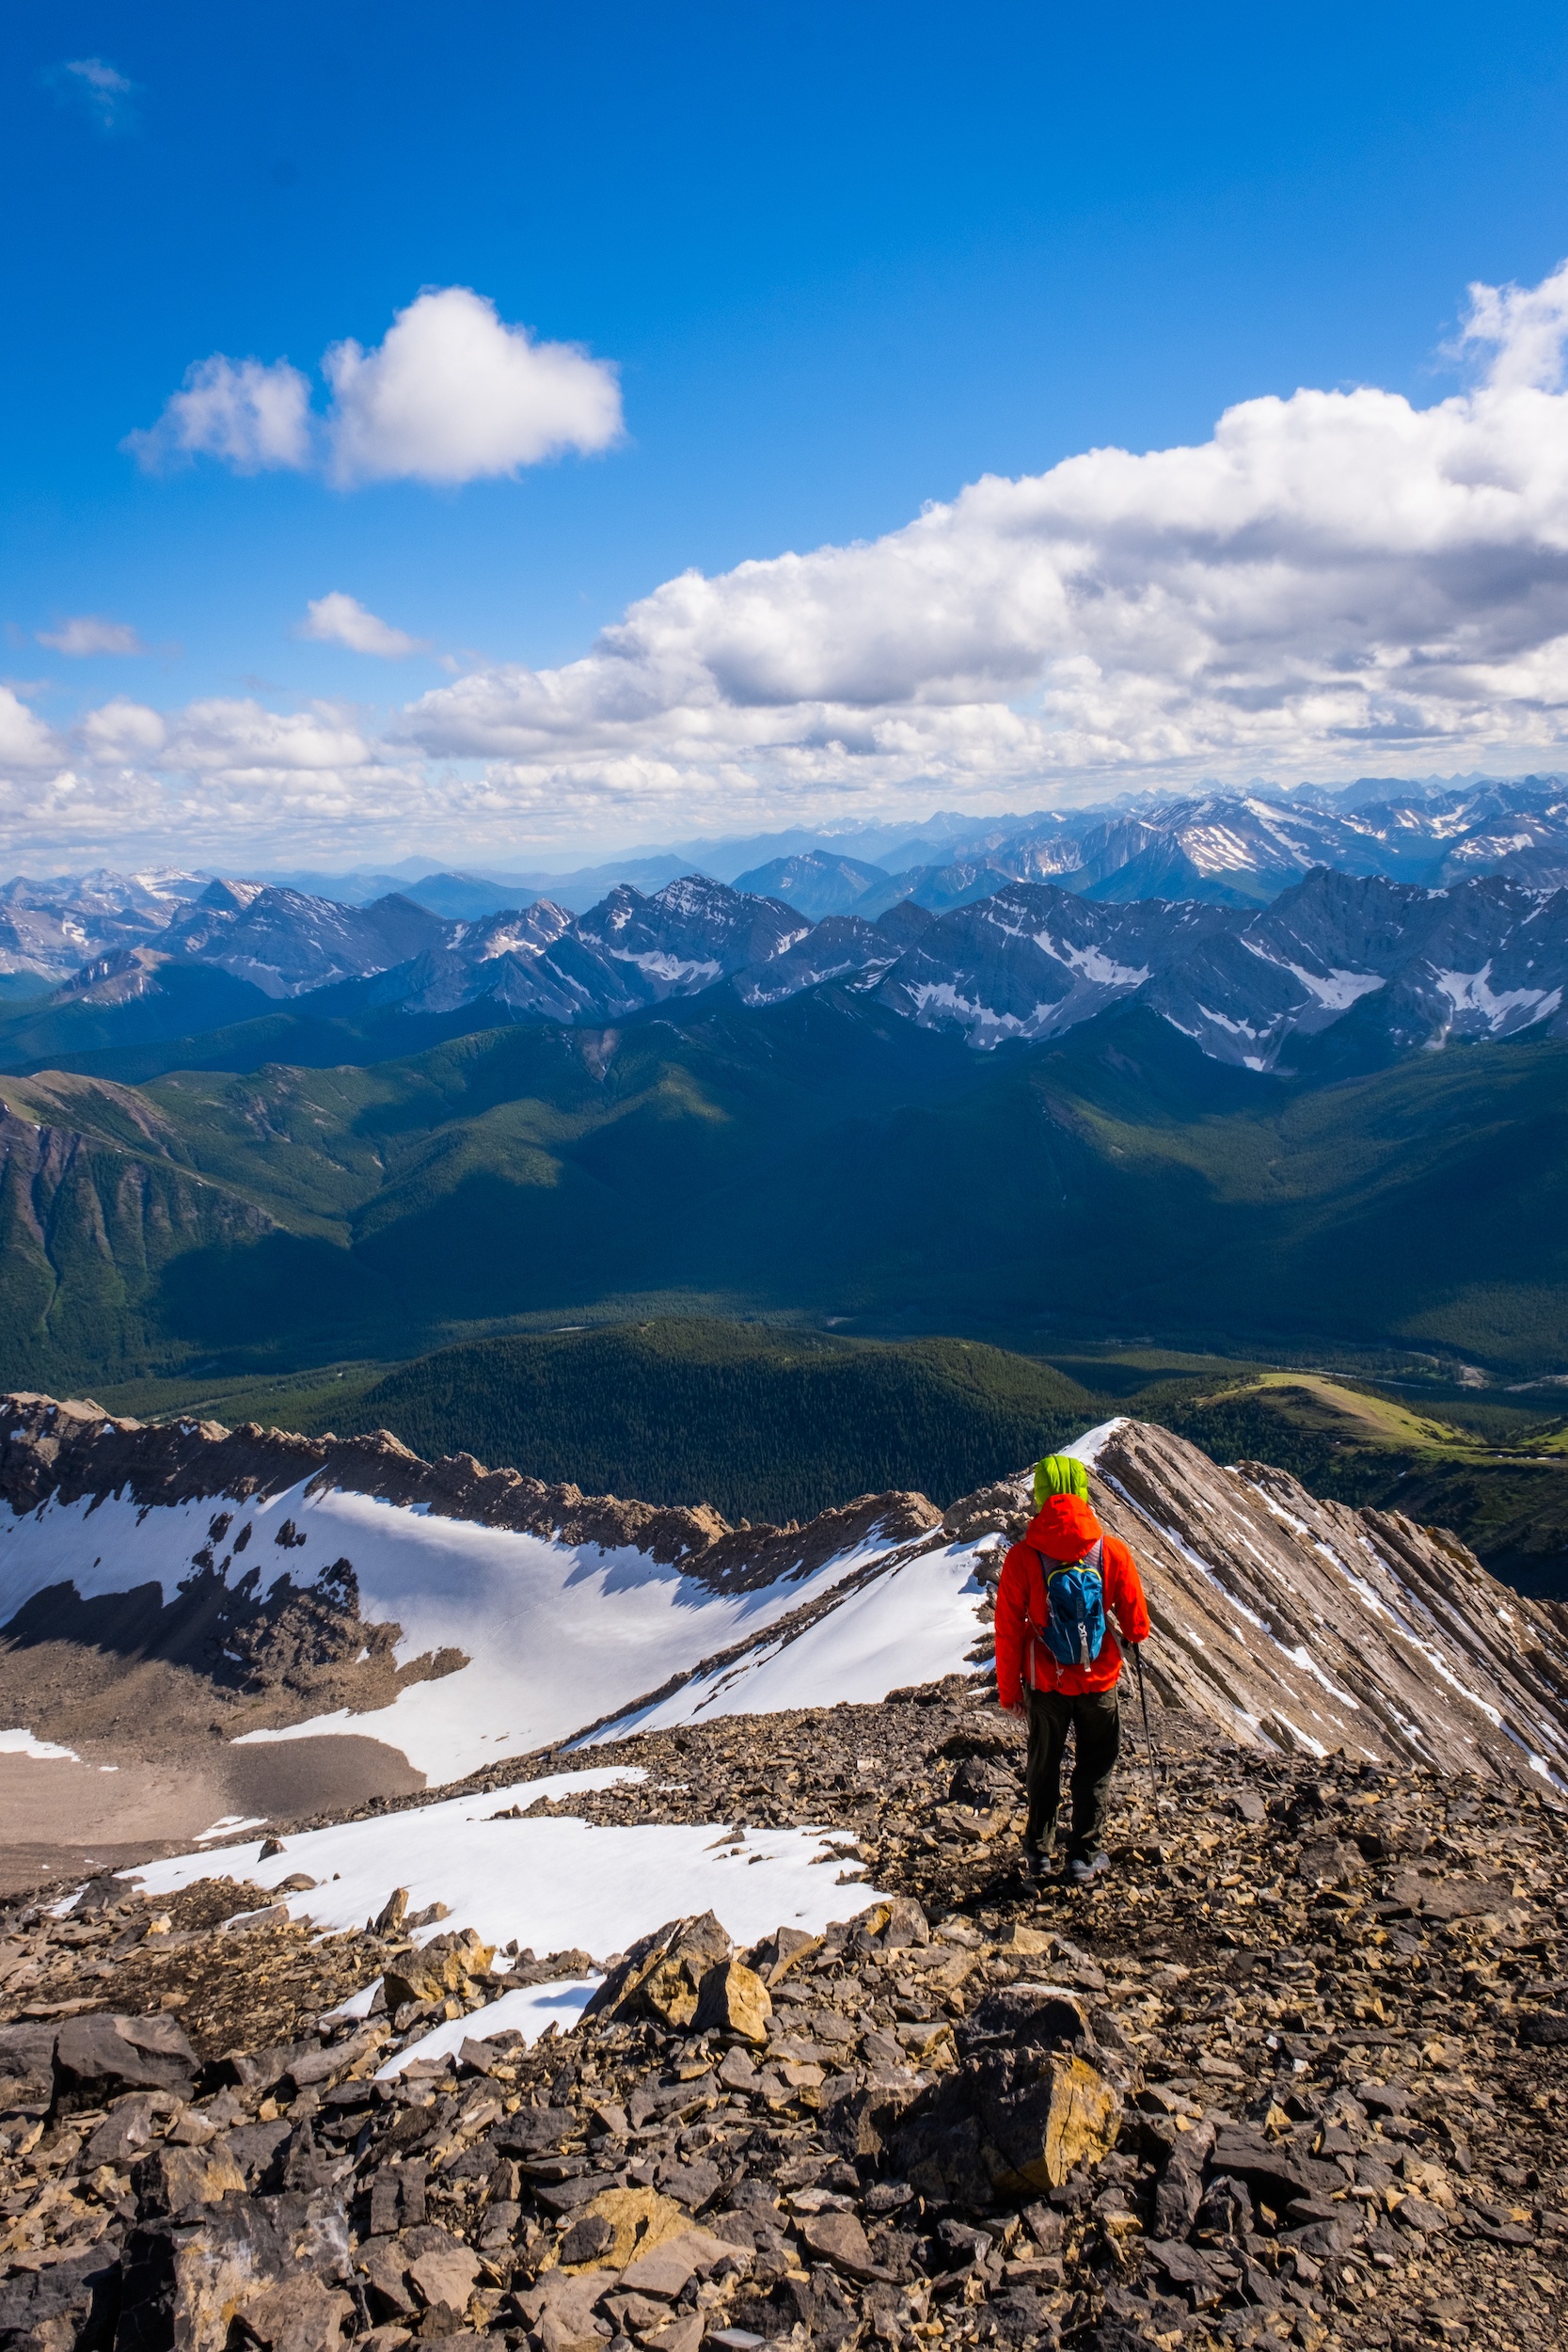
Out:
{"x": 1292, "y": 2073}
{"x": 1294, "y": 1626}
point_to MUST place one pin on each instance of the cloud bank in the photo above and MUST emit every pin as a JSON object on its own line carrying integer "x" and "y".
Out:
{"x": 451, "y": 395}
{"x": 1334, "y": 583}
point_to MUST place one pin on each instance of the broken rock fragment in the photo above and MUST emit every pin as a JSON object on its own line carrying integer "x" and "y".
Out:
{"x": 733, "y": 1998}
{"x": 99, "y": 2058}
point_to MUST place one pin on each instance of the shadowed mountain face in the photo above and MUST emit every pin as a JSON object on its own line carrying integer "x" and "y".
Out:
{"x": 822, "y": 1156}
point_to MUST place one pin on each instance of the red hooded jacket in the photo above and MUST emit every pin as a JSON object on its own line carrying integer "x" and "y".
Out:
{"x": 1062, "y": 1531}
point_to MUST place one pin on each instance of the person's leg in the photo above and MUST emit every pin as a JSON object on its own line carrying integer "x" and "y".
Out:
{"x": 1049, "y": 1717}
{"x": 1097, "y": 1726}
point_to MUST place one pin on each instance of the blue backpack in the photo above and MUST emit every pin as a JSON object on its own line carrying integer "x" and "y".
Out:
{"x": 1074, "y": 1627}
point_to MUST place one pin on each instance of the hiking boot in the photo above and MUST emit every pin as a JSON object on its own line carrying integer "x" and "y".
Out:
{"x": 1085, "y": 1868}
{"x": 1038, "y": 1862}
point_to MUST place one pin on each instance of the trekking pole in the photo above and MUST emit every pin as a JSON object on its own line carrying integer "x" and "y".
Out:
{"x": 1148, "y": 1736}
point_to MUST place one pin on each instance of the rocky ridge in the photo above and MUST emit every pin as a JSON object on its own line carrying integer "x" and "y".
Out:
{"x": 67, "y": 1451}
{"x": 1289, "y": 2074}
{"x": 1293, "y": 1625}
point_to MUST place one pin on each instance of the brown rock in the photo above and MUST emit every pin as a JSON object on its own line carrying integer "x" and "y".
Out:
{"x": 445, "y": 2278}
{"x": 778, "y": 1954}
{"x": 380, "y": 2260}
{"x": 299, "y": 2314}
{"x": 667, "y": 2269}
{"x": 838, "y": 2238}
{"x": 661, "y": 1975}
{"x": 172, "y": 2179}
{"x": 733, "y": 1998}
{"x": 445, "y": 1967}
{"x": 679, "y": 2335}
{"x": 1081, "y": 2125}
{"x": 639, "y": 2219}
{"x": 906, "y": 1925}
{"x": 590, "y": 2236}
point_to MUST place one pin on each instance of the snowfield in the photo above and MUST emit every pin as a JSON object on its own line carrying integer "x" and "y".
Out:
{"x": 557, "y": 1635}
{"x": 913, "y": 1622}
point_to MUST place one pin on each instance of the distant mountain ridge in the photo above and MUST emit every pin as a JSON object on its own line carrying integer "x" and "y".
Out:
{"x": 1225, "y": 849}
{"x": 1339, "y": 973}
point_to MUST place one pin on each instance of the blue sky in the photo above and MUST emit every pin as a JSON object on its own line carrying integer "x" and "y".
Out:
{"x": 843, "y": 262}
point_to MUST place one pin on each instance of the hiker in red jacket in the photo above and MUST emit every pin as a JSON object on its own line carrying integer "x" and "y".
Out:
{"x": 1069, "y": 1598}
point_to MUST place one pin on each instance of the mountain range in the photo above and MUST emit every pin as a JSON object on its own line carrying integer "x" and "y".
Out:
{"x": 273, "y": 1128}
{"x": 1223, "y": 850}
{"x": 1340, "y": 973}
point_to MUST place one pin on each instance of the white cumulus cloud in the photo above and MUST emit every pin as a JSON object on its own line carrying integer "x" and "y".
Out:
{"x": 124, "y": 731}
{"x": 1331, "y": 585}
{"x": 340, "y": 620}
{"x": 453, "y": 394}
{"x": 91, "y": 632}
{"x": 251, "y": 417}
{"x": 25, "y": 742}
{"x": 1334, "y": 578}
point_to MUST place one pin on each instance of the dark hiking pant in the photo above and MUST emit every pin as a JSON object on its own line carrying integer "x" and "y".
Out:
{"x": 1094, "y": 1718}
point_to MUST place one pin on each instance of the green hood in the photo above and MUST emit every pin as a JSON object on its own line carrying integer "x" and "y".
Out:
{"x": 1060, "y": 1474}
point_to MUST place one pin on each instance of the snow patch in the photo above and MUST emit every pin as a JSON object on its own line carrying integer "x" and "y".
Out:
{"x": 42, "y": 1750}
{"x": 529, "y": 2011}
{"x": 1088, "y": 1448}
{"x": 556, "y": 1885}
{"x": 1093, "y": 964}
{"x": 1470, "y": 992}
{"x": 557, "y": 1634}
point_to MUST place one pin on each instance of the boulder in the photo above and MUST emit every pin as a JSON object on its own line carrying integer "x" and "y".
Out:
{"x": 184, "y": 2285}
{"x": 446, "y": 1965}
{"x": 130, "y": 2127}
{"x": 298, "y": 2314}
{"x": 97, "y": 2058}
{"x": 443, "y": 2279}
{"x": 63, "y": 2303}
{"x": 639, "y": 2220}
{"x": 778, "y": 1953}
{"x": 661, "y": 1975}
{"x": 838, "y": 2238}
{"x": 668, "y": 2268}
{"x": 733, "y": 1998}
{"x": 1025, "y": 2107}
{"x": 1179, "y": 2190}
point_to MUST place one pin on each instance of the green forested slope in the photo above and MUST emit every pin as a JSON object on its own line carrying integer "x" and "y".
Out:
{"x": 763, "y": 1424}
{"x": 821, "y": 1160}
